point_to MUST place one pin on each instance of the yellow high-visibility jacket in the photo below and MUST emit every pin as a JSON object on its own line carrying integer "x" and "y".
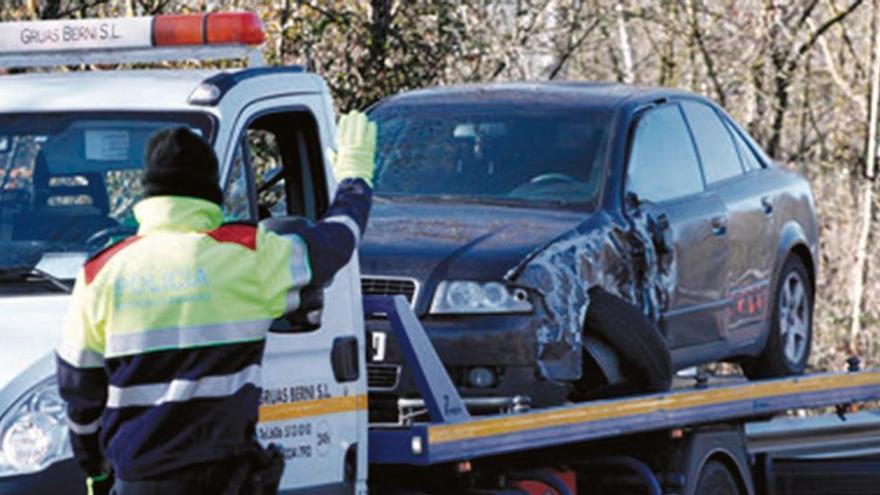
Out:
{"x": 161, "y": 353}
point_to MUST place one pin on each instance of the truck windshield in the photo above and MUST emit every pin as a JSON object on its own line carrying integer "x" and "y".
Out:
{"x": 502, "y": 152}
{"x": 68, "y": 182}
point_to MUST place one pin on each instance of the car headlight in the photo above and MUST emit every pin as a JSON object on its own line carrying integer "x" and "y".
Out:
{"x": 462, "y": 296}
{"x": 33, "y": 432}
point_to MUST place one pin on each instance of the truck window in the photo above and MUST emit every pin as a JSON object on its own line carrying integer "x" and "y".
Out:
{"x": 662, "y": 162}
{"x": 236, "y": 197}
{"x": 284, "y": 152}
{"x": 69, "y": 180}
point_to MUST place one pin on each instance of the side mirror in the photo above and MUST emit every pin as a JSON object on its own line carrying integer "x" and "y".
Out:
{"x": 662, "y": 233}
{"x": 307, "y": 317}
{"x": 632, "y": 200}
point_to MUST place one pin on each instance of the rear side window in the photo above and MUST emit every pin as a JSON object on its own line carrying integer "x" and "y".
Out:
{"x": 749, "y": 160}
{"x": 663, "y": 164}
{"x": 714, "y": 142}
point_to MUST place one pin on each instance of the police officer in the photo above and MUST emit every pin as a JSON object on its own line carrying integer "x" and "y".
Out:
{"x": 161, "y": 354}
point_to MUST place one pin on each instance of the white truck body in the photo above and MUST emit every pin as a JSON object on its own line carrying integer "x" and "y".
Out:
{"x": 314, "y": 418}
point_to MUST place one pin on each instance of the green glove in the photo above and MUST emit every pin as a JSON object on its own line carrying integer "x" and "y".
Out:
{"x": 356, "y": 148}
{"x": 100, "y": 484}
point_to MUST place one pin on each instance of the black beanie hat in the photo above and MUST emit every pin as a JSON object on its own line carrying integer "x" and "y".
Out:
{"x": 180, "y": 163}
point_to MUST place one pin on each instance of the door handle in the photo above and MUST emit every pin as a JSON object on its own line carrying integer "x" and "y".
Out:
{"x": 719, "y": 225}
{"x": 767, "y": 205}
{"x": 344, "y": 359}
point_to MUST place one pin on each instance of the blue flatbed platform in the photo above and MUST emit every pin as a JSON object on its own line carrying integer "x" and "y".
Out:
{"x": 453, "y": 435}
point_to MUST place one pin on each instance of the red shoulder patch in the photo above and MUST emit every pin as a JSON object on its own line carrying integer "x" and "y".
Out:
{"x": 97, "y": 262}
{"x": 238, "y": 233}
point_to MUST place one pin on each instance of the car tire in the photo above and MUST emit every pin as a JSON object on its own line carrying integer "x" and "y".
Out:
{"x": 645, "y": 357}
{"x": 791, "y": 326}
{"x": 716, "y": 479}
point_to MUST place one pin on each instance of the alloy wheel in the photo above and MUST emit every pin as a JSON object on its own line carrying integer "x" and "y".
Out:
{"x": 794, "y": 318}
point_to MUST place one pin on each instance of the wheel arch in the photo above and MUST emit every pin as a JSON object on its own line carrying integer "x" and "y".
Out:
{"x": 793, "y": 241}
{"x": 725, "y": 444}
{"x": 801, "y": 251}
{"x": 740, "y": 473}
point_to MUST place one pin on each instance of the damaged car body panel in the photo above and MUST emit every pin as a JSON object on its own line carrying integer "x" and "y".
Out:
{"x": 624, "y": 262}
{"x": 554, "y": 189}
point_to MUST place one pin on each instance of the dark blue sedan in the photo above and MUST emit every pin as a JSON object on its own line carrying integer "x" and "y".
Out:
{"x": 559, "y": 238}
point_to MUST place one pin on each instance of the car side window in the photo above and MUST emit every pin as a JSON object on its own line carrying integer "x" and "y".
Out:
{"x": 663, "y": 164}
{"x": 749, "y": 160}
{"x": 714, "y": 143}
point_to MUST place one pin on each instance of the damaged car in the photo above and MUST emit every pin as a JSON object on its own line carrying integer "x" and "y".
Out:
{"x": 558, "y": 240}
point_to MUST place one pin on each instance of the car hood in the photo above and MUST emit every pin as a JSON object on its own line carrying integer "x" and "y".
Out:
{"x": 434, "y": 240}
{"x": 31, "y": 328}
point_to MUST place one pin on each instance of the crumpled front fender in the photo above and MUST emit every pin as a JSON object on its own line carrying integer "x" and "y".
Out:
{"x": 619, "y": 257}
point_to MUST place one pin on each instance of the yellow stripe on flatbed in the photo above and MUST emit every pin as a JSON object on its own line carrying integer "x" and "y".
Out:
{"x": 319, "y": 407}
{"x": 657, "y": 403}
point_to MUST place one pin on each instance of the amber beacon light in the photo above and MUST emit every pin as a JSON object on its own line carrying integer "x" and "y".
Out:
{"x": 218, "y": 29}
{"x": 208, "y": 29}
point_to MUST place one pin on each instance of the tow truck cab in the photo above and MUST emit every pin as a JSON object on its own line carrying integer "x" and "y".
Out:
{"x": 71, "y": 148}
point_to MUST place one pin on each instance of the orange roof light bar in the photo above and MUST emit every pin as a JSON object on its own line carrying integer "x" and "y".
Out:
{"x": 208, "y": 29}
{"x": 132, "y": 33}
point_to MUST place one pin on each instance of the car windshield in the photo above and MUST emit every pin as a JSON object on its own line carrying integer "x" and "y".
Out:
{"x": 68, "y": 182}
{"x": 503, "y": 152}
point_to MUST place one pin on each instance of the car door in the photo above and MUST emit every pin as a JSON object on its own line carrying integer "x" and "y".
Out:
{"x": 748, "y": 229}
{"x": 312, "y": 405}
{"x": 664, "y": 174}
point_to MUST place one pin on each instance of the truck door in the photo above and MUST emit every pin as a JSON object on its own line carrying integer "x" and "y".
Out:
{"x": 314, "y": 388}
{"x": 664, "y": 174}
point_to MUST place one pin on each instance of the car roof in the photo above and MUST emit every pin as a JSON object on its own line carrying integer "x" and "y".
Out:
{"x": 121, "y": 90}
{"x": 576, "y": 93}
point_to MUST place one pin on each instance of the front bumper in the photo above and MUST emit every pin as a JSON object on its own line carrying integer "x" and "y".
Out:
{"x": 62, "y": 477}
{"x": 505, "y": 344}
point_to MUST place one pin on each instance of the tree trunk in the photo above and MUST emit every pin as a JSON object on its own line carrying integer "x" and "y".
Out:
{"x": 866, "y": 206}
{"x": 51, "y": 9}
{"x": 626, "y": 51}
{"x": 781, "y": 84}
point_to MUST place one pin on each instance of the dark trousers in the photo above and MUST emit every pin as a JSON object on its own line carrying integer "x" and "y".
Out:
{"x": 218, "y": 478}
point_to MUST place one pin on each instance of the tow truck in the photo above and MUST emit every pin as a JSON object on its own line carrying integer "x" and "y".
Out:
{"x": 711, "y": 436}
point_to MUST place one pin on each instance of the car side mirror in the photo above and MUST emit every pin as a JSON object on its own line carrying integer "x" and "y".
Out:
{"x": 632, "y": 200}
{"x": 306, "y": 317}
{"x": 661, "y": 231}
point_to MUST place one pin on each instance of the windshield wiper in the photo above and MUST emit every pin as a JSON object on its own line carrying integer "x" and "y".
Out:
{"x": 52, "y": 279}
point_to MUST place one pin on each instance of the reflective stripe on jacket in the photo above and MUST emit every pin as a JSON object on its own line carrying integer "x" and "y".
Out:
{"x": 161, "y": 353}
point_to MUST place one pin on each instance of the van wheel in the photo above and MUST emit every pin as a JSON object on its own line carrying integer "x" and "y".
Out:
{"x": 791, "y": 326}
{"x": 646, "y": 364}
{"x": 716, "y": 479}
